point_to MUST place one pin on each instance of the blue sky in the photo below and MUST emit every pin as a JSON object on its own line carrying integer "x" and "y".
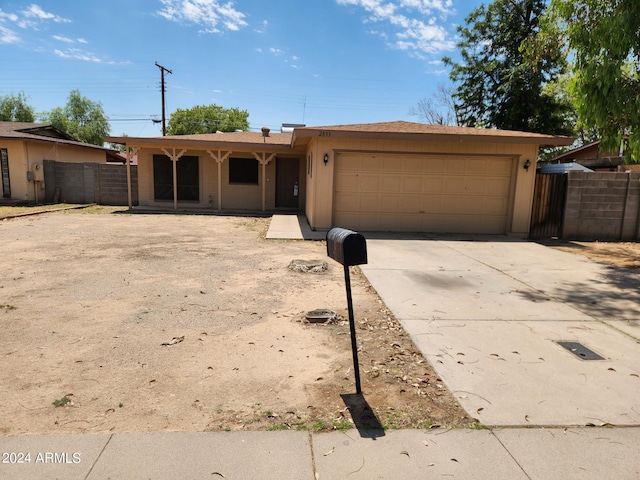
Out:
{"x": 318, "y": 62}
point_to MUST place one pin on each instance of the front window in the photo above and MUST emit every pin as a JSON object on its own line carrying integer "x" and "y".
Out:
{"x": 243, "y": 171}
{"x": 187, "y": 171}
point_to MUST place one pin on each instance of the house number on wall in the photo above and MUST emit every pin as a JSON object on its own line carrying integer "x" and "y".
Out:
{"x": 324, "y": 134}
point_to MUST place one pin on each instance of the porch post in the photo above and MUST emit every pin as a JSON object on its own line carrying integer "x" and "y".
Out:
{"x": 128, "y": 156}
{"x": 174, "y": 158}
{"x": 219, "y": 158}
{"x": 129, "y": 152}
{"x": 264, "y": 161}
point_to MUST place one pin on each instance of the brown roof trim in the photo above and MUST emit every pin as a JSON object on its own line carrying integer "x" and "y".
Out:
{"x": 420, "y": 131}
{"x": 229, "y": 140}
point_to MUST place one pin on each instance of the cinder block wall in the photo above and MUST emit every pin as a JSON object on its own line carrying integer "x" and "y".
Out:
{"x": 602, "y": 206}
{"x": 105, "y": 184}
{"x": 112, "y": 184}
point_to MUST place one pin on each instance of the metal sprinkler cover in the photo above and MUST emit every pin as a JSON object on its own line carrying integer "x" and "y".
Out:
{"x": 322, "y": 315}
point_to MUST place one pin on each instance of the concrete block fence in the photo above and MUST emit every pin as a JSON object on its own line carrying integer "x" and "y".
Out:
{"x": 101, "y": 183}
{"x": 602, "y": 206}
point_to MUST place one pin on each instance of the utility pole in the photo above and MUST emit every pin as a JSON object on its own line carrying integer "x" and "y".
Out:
{"x": 162, "y": 89}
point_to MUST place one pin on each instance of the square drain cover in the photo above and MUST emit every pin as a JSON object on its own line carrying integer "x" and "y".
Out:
{"x": 580, "y": 351}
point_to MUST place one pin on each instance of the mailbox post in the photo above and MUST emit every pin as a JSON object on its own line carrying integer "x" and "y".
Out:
{"x": 348, "y": 248}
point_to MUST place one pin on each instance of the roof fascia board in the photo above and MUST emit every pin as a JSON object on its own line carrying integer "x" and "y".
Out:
{"x": 202, "y": 144}
{"x": 541, "y": 140}
{"x": 58, "y": 141}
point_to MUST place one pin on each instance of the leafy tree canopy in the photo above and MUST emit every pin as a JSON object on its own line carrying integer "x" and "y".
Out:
{"x": 81, "y": 118}
{"x": 15, "y": 108}
{"x": 496, "y": 84}
{"x": 602, "y": 37}
{"x": 207, "y": 119}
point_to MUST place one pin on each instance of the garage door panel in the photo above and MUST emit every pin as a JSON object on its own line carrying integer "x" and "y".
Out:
{"x": 433, "y": 185}
{"x": 457, "y": 166}
{"x": 392, "y": 184}
{"x": 422, "y": 193}
{"x": 349, "y": 202}
{"x": 351, "y": 165}
{"x": 478, "y": 167}
{"x": 411, "y": 203}
{"x": 347, "y": 182}
{"x": 370, "y": 183}
{"x": 433, "y": 204}
{"x": 435, "y": 166}
{"x": 477, "y": 186}
{"x": 412, "y": 184}
{"x": 412, "y": 165}
{"x": 495, "y": 204}
{"x": 370, "y": 203}
{"x": 391, "y": 204}
{"x": 455, "y": 186}
{"x": 498, "y": 186}
{"x": 500, "y": 167}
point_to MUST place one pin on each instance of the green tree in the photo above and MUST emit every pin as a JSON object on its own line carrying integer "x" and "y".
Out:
{"x": 497, "y": 85}
{"x": 15, "y": 108}
{"x": 207, "y": 119}
{"x": 602, "y": 37}
{"x": 81, "y": 118}
{"x": 118, "y": 146}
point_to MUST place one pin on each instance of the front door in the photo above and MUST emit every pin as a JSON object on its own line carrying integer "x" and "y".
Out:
{"x": 287, "y": 182}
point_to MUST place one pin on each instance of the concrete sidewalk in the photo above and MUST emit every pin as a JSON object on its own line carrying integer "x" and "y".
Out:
{"x": 498, "y": 454}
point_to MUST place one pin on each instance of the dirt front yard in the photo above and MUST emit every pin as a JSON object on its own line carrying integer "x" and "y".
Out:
{"x": 616, "y": 254}
{"x": 113, "y": 322}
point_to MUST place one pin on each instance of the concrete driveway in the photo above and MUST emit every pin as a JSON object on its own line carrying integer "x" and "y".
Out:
{"x": 487, "y": 312}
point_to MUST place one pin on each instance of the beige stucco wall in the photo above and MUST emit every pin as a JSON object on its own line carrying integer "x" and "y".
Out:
{"x": 233, "y": 196}
{"x": 320, "y": 177}
{"x": 28, "y": 156}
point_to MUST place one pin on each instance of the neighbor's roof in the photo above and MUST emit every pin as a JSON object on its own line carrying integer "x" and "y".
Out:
{"x": 563, "y": 168}
{"x": 423, "y": 131}
{"x": 41, "y": 133}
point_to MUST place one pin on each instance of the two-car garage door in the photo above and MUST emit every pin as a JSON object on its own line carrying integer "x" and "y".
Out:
{"x": 418, "y": 193}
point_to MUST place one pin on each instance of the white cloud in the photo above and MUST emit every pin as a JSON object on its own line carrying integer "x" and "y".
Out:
{"x": 31, "y": 18}
{"x": 8, "y": 36}
{"x": 84, "y": 56}
{"x": 61, "y": 38}
{"x": 12, "y": 17}
{"x": 35, "y": 15}
{"x": 77, "y": 54}
{"x": 213, "y": 15}
{"x": 413, "y": 23}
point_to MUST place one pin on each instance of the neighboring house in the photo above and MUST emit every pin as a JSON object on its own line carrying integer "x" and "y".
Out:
{"x": 392, "y": 176}
{"x": 590, "y": 156}
{"x": 23, "y": 149}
